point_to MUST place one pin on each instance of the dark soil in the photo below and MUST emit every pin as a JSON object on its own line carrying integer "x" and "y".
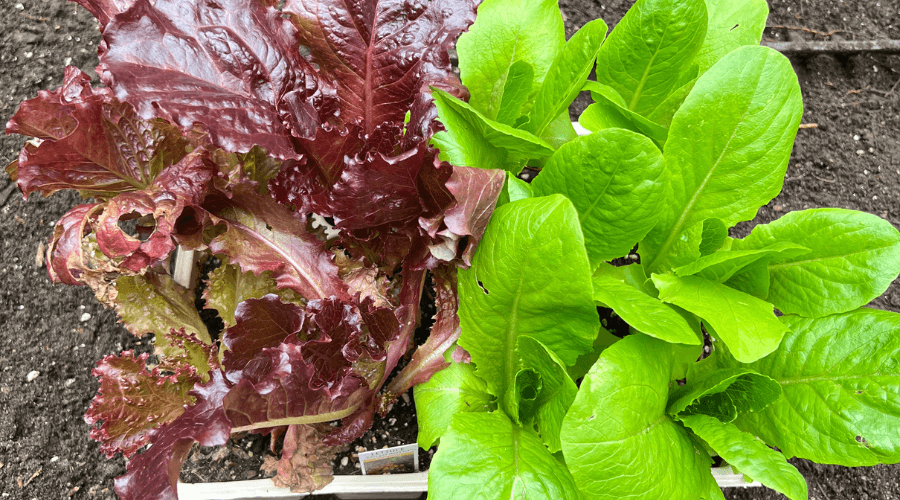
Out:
{"x": 851, "y": 160}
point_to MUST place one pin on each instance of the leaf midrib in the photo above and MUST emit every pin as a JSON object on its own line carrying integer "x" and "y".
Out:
{"x": 839, "y": 378}
{"x": 511, "y": 339}
{"x": 320, "y": 294}
{"x": 688, "y": 208}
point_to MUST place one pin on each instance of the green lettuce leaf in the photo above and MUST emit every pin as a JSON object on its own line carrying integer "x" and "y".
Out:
{"x": 516, "y": 90}
{"x": 473, "y": 140}
{"x": 505, "y": 32}
{"x": 618, "y": 440}
{"x": 649, "y": 48}
{"x": 556, "y": 393}
{"x": 749, "y": 455}
{"x": 747, "y": 325}
{"x": 712, "y": 236}
{"x": 643, "y": 312}
{"x": 616, "y": 179}
{"x": 609, "y": 111}
{"x": 722, "y": 265}
{"x": 732, "y": 24}
{"x": 455, "y": 389}
{"x": 853, "y": 258}
{"x": 566, "y": 76}
{"x": 840, "y": 378}
{"x": 485, "y": 456}
{"x": 724, "y": 394}
{"x": 728, "y": 146}
{"x": 529, "y": 278}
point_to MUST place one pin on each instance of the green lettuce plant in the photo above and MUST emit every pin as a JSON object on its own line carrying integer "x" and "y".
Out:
{"x": 691, "y": 130}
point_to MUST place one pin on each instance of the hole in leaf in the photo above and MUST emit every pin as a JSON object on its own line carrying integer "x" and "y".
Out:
{"x": 592, "y": 417}
{"x": 485, "y": 290}
{"x": 136, "y": 225}
{"x": 859, "y": 392}
{"x": 529, "y": 393}
{"x": 188, "y": 222}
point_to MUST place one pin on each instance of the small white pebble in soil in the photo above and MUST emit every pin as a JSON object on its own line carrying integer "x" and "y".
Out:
{"x": 54, "y": 459}
{"x": 69, "y": 382}
{"x": 33, "y": 374}
{"x": 866, "y": 171}
{"x": 345, "y": 461}
{"x": 872, "y": 150}
{"x": 29, "y": 55}
{"x": 20, "y": 6}
{"x": 856, "y": 137}
{"x": 85, "y": 317}
{"x": 356, "y": 464}
{"x": 875, "y": 197}
{"x": 860, "y": 152}
{"x": 21, "y": 307}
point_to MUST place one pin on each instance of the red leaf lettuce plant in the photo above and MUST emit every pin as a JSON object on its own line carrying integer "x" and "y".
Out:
{"x": 244, "y": 129}
{"x": 690, "y": 133}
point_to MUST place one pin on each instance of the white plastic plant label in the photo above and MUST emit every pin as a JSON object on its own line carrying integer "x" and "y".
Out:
{"x": 397, "y": 460}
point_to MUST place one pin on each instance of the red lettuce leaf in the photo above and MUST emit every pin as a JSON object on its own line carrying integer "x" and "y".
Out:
{"x": 407, "y": 314}
{"x": 363, "y": 166}
{"x": 263, "y": 235}
{"x": 91, "y": 142}
{"x": 259, "y": 324}
{"x": 379, "y": 53}
{"x": 89, "y": 246}
{"x": 288, "y": 362}
{"x": 153, "y": 474}
{"x": 105, "y": 10}
{"x": 459, "y": 228}
{"x": 381, "y": 56}
{"x": 233, "y": 65}
{"x": 277, "y": 385}
{"x": 181, "y": 185}
{"x": 67, "y": 261}
{"x": 305, "y": 464}
{"x": 429, "y": 357}
{"x": 133, "y": 401}
{"x": 354, "y": 336}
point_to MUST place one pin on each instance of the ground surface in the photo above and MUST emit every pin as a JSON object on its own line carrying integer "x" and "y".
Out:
{"x": 851, "y": 160}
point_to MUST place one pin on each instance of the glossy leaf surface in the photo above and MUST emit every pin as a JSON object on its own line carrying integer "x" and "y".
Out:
{"x": 746, "y": 324}
{"x": 512, "y": 290}
{"x": 507, "y": 32}
{"x": 853, "y": 258}
{"x": 487, "y": 456}
{"x": 617, "y": 438}
{"x": 728, "y": 146}
{"x": 649, "y": 48}
{"x": 616, "y": 181}
{"x": 840, "y": 378}
{"x": 749, "y": 455}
